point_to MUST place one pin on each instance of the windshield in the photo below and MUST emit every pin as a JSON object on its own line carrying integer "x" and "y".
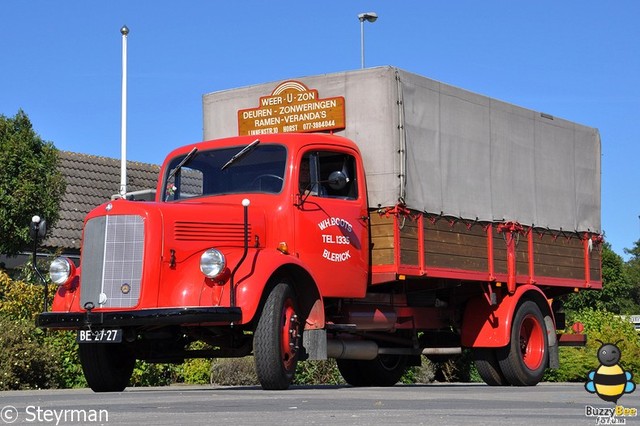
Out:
{"x": 261, "y": 170}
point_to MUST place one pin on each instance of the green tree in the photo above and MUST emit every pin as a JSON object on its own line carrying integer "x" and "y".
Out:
{"x": 30, "y": 182}
{"x": 618, "y": 292}
{"x": 632, "y": 267}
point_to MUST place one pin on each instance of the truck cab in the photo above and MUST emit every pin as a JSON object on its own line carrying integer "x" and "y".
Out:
{"x": 245, "y": 240}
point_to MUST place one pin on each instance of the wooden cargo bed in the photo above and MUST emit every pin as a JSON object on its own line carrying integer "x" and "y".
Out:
{"x": 414, "y": 244}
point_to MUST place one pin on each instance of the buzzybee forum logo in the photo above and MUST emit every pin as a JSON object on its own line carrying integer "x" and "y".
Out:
{"x": 610, "y": 381}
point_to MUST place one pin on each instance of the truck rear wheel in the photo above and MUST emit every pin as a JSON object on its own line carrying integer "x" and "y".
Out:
{"x": 351, "y": 372}
{"x": 488, "y": 367}
{"x": 106, "y": 366}
{"x": 277, "y": 339}
{"x": 384, "y": 370}
{"x": 524, "y": 360}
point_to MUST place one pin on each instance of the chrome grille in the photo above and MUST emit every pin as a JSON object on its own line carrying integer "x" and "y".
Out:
{"x": 112, "y": 256}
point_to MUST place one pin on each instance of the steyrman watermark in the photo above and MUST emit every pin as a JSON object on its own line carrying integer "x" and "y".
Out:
{"x": 54, "y": 416}
{"x": 9, "y": 414}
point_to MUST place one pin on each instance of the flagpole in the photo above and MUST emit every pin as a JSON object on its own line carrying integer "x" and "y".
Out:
{"x": 123, "y": 133}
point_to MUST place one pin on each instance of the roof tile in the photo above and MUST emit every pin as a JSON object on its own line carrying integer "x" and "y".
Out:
{"x": 91, "y": 181}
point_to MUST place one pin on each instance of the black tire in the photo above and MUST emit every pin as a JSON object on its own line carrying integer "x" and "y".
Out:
{"x": 351, "y": 372}
{"x": 277, "y": 339}
{"x": 106, "y": 366}
{"x": 524, "y": 360}
{"x": 488, "y": 367}
{"x": 384, "y": 370}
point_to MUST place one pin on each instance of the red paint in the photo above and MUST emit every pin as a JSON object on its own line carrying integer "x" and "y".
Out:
{"x": 587, "y": 243}
{"x": 532, "y": 275}
{"x": 532, "y": 342}
{"x": 492, "y": 275}
{"x": 490, "y": 326}
{"x": 508, "y": 229}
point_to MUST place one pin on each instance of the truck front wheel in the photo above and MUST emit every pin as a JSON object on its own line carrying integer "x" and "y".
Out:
{"x": 277, "y": 339}
{"x": 524, "y": 360}
{"x": 106, "y": 366}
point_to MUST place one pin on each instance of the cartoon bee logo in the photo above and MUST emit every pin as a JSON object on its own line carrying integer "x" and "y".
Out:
{"x": 609, "y": 381}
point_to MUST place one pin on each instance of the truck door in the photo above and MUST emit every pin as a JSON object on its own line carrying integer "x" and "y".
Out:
{"x": 331, "y": 221}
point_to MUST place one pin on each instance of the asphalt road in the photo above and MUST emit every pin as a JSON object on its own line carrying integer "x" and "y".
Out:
{"x": 435, "y": 404}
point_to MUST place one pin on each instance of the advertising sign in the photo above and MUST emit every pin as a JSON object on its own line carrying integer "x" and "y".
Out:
{"x": 292, "y": 107}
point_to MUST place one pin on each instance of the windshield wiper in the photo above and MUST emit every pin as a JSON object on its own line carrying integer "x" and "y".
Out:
{"x": 244, "y": 151}
{"x": 184, "y": 161}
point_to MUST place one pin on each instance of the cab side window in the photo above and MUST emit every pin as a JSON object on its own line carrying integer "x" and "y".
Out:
{"x": 329, "y": 174}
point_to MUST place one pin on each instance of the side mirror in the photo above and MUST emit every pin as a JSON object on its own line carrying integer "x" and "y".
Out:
{"x": 337, "y": 180}
{"x": 38, "y": 228}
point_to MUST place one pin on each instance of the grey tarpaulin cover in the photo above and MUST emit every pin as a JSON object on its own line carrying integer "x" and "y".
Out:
{"x": 448, "y": 151}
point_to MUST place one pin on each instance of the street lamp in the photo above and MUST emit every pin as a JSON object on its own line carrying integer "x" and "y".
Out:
{"x": 369, "y": 17}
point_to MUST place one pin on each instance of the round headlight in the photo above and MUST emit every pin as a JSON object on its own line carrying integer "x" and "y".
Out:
{"x": 60, "y": 270}
{"x": 212, "y": 262}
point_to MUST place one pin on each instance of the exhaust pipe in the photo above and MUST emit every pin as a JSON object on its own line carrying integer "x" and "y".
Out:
{"x": 441, "y": 351}
{"x": 352, "y": 349}
{"x": 367, "y": 350}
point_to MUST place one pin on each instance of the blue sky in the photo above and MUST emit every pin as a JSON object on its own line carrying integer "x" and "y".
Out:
{"x": 575, "y": 59}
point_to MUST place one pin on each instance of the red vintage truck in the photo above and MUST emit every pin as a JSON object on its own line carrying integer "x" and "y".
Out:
{"x": 370, "y": 216}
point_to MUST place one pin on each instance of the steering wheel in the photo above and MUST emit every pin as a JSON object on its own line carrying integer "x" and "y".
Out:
{"x": 258, "y": 179}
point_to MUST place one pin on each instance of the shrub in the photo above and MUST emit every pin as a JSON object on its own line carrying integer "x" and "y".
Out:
{"x": 20, "y": 300}
{"x": 233, "y": 372}
{"x": 460, "y": 368}
{"x": 318, "y": 372}
{"x": 26, "y": 360}
{"x": 240, "y": 372}
{"x": 195, "y": 371}
{"x": 64, "y": 348}
{"x": 422, "y": 374}
{"x": 148, "y": 374}
{"x": 600, "y": 326}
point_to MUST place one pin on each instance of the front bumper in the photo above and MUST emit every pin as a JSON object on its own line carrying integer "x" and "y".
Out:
{"x": 141, "y": 318}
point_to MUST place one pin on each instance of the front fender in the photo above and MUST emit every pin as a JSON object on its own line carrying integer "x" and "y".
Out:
{"x": 490, "y": 326}
{"x": 65, "y": 298}
{"x": 254, "y": 279}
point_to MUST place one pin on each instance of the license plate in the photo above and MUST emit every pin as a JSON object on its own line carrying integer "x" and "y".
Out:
{"x": 100, "y": 336}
